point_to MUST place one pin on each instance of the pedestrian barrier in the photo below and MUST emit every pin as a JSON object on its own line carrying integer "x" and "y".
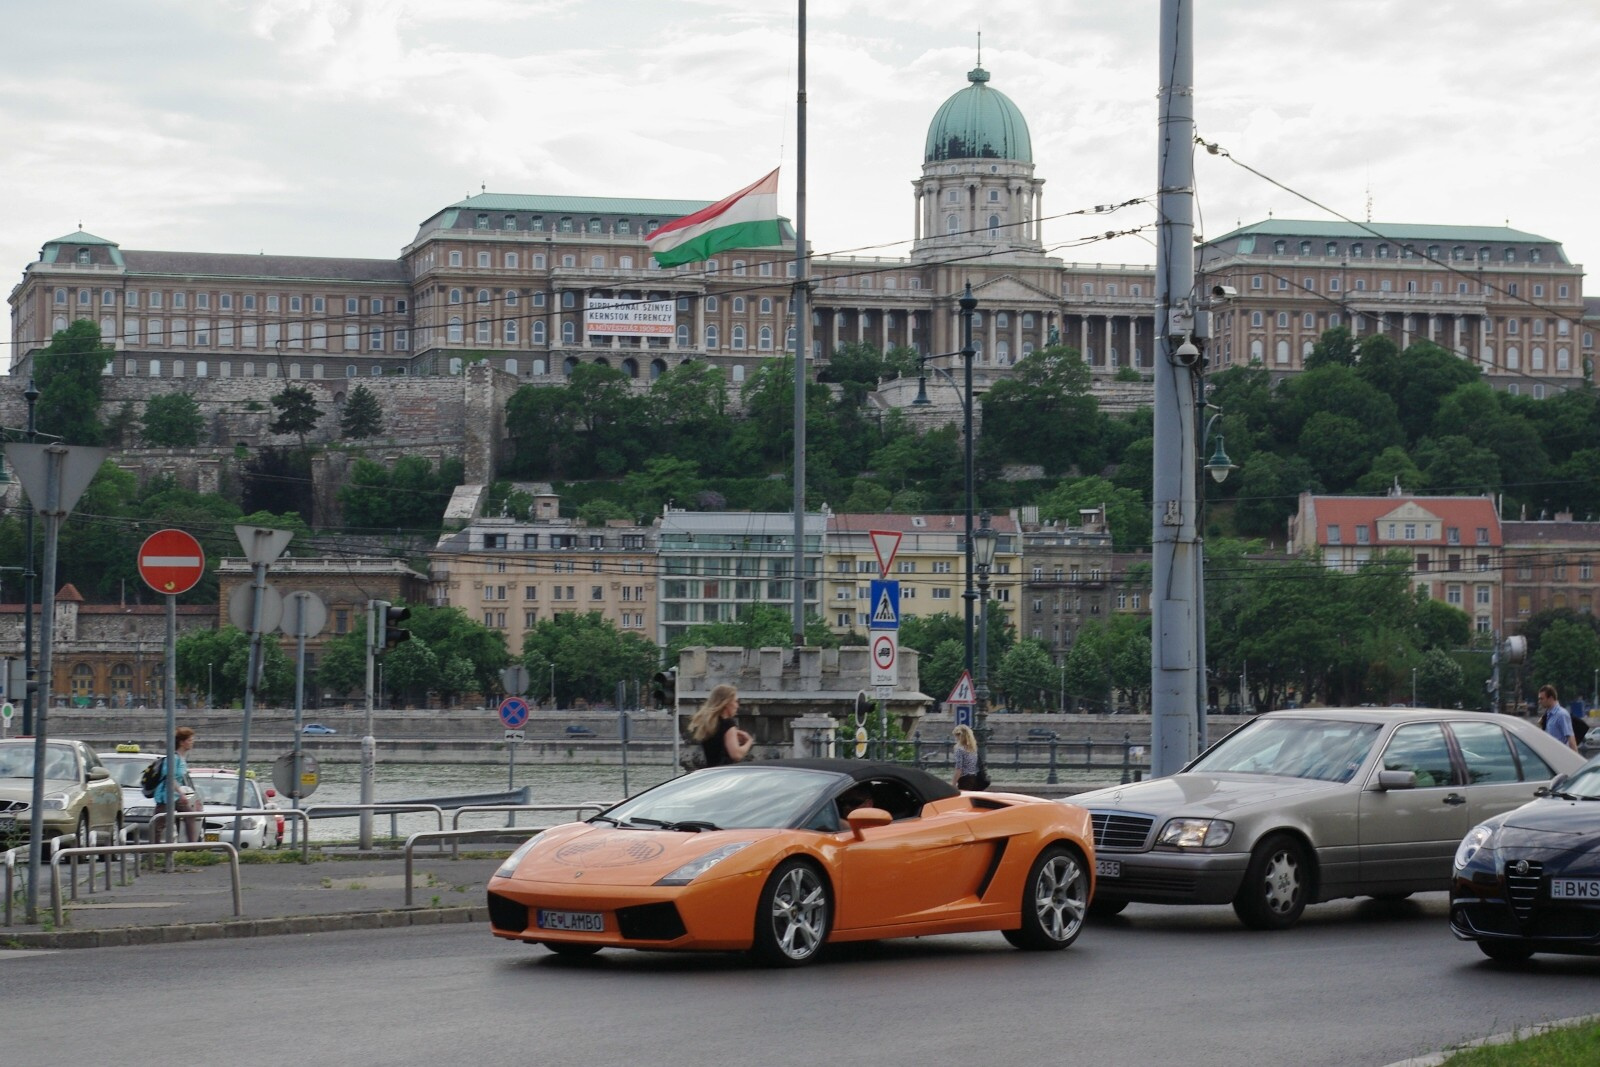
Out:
{"x": 596, "y": 806}
{"x": 57, "y": 854}
{"x": 501, "y": 833}
{"x": 1051, "y": 755}
{"x": 344, "y": 811}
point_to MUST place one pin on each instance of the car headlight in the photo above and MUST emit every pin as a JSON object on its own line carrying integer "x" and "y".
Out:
{"x": 140, "y": 811}
{"x": 1195, "y": 833}
{"x": 57, "y": 801}
{"x": 696, "y": 867}
{"x": 1479, "y": 837}
{"x": 509, "y": 867}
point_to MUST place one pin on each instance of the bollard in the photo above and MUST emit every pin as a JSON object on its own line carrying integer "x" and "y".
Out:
{"x": 1052, "y": 778}
{"x": 1127, "y": 756}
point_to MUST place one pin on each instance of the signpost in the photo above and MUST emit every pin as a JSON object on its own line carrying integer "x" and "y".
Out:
{"x": 306, "y": 618}
{"x": 883, "y": 620}
{"x": 513, "y": 715}
{"x": 172, "y": 562}
{"x": 963, "y": 697}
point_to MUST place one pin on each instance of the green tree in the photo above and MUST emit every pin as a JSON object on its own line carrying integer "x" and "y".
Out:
{"x": 172, "y": 421}
{"x": 1088, "y": 668}
{"x": 590, "y": 656}
{"x": 1043, "y": 413}
{"x": 1567, "y": 656}
{"x": 410, "y": 672}
{"x": 1027, "y": 678}
{"x": 1335, "y": 348}
{"x": 297, "y": 412}
{"x": 457, "y": 638}
{"x": 69, "y": 374}
{"x": 758, "y": 626}
{"x": 221, "y": 657}
{"x": 362, "y": 415}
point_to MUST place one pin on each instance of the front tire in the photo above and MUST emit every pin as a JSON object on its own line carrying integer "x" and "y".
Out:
{"x": 1054, "y": 901}
{"x": 1505, "y": 951}
{"x": 792, "y": 915}
{"x": 1276, "y": 885}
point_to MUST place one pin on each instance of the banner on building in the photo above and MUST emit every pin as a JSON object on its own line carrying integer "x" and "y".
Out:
{"x": 604, "y": 315}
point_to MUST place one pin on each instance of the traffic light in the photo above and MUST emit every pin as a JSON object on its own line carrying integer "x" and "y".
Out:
{"x": 862, "y": 706}
{"x": 394, "y": 632}
{"x": 664, "y": 688}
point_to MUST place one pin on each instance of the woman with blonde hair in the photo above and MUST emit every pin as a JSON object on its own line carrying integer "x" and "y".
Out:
{"x": 714, "y": 727}
{"x": 967, "y": 772}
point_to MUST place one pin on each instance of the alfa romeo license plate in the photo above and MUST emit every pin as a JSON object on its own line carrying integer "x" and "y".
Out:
{"x": 1108, "y": 868}
{"x": 589, "y": 922}
{"x": 1575, "y": 889}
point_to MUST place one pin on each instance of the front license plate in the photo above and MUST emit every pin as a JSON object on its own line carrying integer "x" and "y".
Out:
{"x": 1575, "y": 889}
{"x": 589, "y": 922}
{"x": 1108, "y": 868}
{"x": 7, "y": 823}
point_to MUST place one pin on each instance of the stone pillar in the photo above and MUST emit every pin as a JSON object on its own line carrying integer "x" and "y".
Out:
{"x": 989, "y": 335}
{"x": 1083, "y": 338}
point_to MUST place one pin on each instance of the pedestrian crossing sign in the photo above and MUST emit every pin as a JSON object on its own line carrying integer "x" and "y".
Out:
{"x": 885, "y": 605}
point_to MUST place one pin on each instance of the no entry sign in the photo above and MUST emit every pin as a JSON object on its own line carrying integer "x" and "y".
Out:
{"x": 171, "y": 562}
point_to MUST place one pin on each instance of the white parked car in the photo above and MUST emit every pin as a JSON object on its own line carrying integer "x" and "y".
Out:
{"x": 219, "y": 790}
{"x": 126, "y": 765}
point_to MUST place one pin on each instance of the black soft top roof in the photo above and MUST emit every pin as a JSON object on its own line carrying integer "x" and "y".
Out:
{"x": 917, "y": 780}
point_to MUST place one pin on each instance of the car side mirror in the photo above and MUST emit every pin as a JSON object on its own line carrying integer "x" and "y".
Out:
{"x": 1554, "y": 786}
{"x": 863, "y": 818}
{"x": 1388, "y": 780}
{"x": 98, "y": 773}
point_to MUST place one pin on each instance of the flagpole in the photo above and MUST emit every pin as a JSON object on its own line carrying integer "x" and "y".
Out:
{"x": 802, "y": 344}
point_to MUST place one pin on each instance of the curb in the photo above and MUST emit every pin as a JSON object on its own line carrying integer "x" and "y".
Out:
{"x": 1435, "y": 1059}
{"x": 122, "y": 936}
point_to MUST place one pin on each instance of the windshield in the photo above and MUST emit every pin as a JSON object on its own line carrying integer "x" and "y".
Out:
{"x": 1584, "y": 783}
{"x": 126, "y": 772}
{"x": 60, "y": 764}
{"x": 226, "y": 791}
{"x": 737, "y": 798}
{"x": 1323, "y": 749}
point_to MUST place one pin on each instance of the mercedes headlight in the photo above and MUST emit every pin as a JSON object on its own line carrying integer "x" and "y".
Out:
{"x": 1195, "y": 833}
{"x": 1479, "y": 837}
{"x": 509, "y": 867}
{"x": 696, "y": 867}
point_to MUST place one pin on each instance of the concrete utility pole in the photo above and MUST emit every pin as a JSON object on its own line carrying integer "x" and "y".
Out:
{"x": 1174, "y": 668}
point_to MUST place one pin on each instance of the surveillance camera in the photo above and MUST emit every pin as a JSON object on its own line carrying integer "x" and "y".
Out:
{"x": 1186, "y": 354}
{"x": 1224, "y": 292}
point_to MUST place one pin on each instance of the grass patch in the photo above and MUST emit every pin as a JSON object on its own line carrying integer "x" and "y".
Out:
{"x": 1568, "y": 1046}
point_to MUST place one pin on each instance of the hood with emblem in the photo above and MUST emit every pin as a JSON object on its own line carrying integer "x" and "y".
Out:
{"x": 601, "y": 854}
{"x": 1205, "y": 795}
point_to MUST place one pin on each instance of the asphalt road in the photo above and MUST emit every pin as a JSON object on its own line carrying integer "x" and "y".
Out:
{"x": 1356, "y": 984}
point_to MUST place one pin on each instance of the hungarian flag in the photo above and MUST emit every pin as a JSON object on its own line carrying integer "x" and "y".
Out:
{"x": 747, "y": 219}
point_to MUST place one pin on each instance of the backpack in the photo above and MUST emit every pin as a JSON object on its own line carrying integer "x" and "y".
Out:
{"x": 152, "y": 775}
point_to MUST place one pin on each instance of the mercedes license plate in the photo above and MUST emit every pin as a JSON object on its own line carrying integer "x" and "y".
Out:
{"x": 589, "y": 922}
{"x": 1575, "y": 889}
{"x": 1108, "y": 868}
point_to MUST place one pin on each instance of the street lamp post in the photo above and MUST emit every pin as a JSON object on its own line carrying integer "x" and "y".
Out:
{"x": 211, "y": 690}
{"x": 984, "y": 545}
{"x": 1414, "y": 687}
{"x": 1219, "y": 466}
{"x": 969, "y": 596}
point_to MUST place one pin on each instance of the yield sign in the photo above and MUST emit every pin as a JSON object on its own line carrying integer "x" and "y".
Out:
{"x": 885, "y": 543}
{"x": 171, "y": 562}
{"x": 963, "y": 693}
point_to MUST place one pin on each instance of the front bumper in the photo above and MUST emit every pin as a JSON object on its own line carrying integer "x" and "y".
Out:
{"x": 711, "y": 916}
{"x": 1487, "y": 905}
{"x": 1170, "y": 877}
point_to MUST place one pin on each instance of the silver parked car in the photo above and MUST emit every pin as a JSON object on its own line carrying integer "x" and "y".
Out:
{"x": 1298, "y": 807}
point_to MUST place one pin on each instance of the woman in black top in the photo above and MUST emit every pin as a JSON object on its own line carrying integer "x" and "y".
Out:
{"x": 714, "y": 727}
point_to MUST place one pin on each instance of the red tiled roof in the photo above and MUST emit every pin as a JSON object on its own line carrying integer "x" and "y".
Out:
{"x": 1465, "y": 513}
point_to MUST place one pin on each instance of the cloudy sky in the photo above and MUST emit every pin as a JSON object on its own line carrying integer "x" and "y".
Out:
{"x": 333, "y": 127}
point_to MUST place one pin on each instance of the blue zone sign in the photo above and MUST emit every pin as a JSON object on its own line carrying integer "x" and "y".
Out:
{"x": 884, "y": 613}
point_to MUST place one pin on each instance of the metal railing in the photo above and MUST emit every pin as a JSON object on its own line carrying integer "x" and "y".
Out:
{"x": 178, "y": 846}
{"x": 344, "y": 811}
{"x": 501, "y": 833}
{"x": 596, "y": 806}
{"x": 301, "y": 815}
{"x": 1051, "y": 755}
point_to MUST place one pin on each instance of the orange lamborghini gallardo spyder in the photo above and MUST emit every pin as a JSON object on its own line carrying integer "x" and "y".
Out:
{"x": 781, "y": 858}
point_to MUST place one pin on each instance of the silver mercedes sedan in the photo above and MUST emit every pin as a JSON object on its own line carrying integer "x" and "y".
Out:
{"x": 1299, "y": 807}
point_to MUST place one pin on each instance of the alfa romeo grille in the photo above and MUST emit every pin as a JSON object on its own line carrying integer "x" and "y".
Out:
{"x": 1114, "y": 831}
{"x": 1522, "y": 886}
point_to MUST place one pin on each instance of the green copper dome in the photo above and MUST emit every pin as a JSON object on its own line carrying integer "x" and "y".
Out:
{"x": 978, "y": 123}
